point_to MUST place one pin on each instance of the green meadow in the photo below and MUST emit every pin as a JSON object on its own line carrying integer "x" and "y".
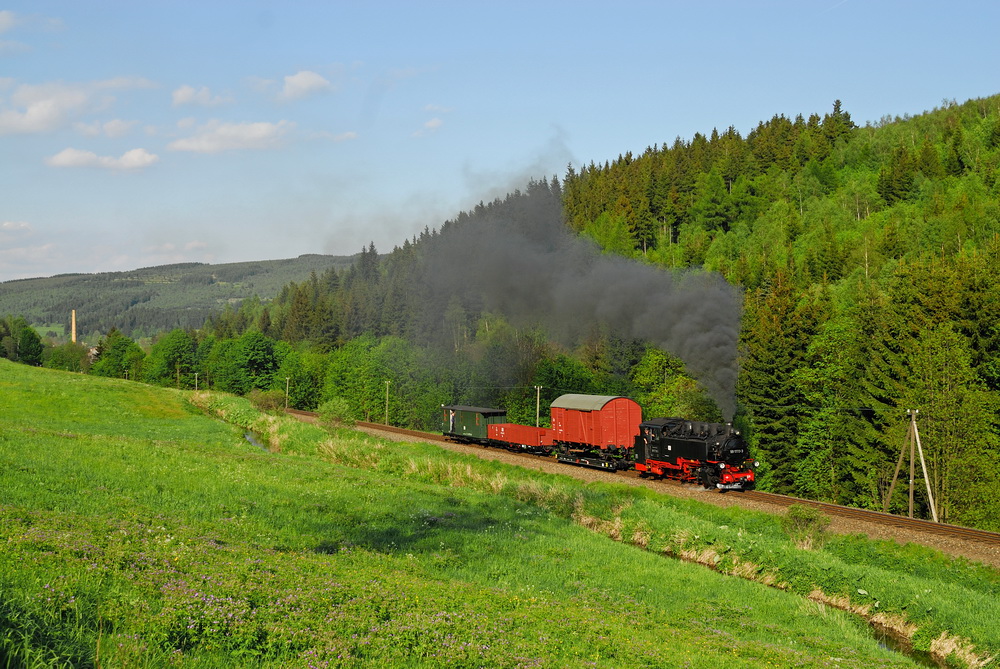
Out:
{"x": 140, "y": 528}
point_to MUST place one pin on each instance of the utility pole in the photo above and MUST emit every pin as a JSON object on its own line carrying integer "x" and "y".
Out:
{"x": 387, "y": 402}
{"x": 913, "y": 441}
{"x": 196, "y": 381}
{"x": 538, "y": 403}
{"x": 923, "y": 465}
{"x": 288, "y": 380}
{"x": 913, "y": 455}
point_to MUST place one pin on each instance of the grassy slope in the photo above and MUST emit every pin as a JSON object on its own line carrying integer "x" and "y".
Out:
{"x": 137, "y": 531}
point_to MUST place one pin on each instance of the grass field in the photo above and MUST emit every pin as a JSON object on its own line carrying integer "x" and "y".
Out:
{"x": 141, "y": 530}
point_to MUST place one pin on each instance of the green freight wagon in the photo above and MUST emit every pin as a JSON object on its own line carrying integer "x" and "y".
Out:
{"x": 468, "y": 424}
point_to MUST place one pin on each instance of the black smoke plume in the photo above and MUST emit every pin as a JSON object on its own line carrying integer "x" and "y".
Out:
{"x": 517, "y": 257}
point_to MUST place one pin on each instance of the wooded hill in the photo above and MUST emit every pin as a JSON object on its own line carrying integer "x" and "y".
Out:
{"x": 870, "y": 260}
{"x": 152, "y": 299}
{"x": 865, "y": 259}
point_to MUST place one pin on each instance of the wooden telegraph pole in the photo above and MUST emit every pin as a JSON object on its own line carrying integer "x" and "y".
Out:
{"x": 913, "y": 441}
{"x": 387, "y": 402}
{"x": 538, "y": 403}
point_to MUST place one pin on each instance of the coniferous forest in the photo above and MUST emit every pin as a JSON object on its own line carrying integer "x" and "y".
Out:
{"x": 813, "y": 281}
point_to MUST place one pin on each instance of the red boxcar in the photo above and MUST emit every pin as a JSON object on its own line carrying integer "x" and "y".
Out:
{"x": 522, "y": 437}
{"x": 595, "y": 421}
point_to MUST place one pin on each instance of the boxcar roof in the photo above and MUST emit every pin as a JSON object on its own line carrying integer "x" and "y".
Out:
{"x": 483, "y": 410}
{"x": 584, "y": 402}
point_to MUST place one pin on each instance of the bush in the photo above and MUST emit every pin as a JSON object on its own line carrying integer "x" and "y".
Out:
{"x": 335, "y": 413}
{"x": 805, "y": 525}
{"x": 267, "y": 400}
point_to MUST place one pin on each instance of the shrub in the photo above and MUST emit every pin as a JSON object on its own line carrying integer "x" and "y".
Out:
{"x": 805, "y": 525}
{"x": 267, "y": 400}
{"x": 335, "y": 412}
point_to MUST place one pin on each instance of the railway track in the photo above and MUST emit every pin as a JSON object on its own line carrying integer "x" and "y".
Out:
{"x": 903, "y": 522}
{"x": 879, "y": 518}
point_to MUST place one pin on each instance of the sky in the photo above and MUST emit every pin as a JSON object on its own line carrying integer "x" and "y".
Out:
{"x": 135, "y": 134}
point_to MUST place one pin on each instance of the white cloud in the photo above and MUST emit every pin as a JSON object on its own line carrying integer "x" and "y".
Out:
{"x": 124, "y": 83}
{"x": 134, "y": 159}
{"x": 118, "y": 128}
{"x": 437, "y": 108}
{"x": 338, "y": 137}
{"x": 301, "y": 84}
{"x": 88, "y": 129}
{"x": 429, "y": 127}
{"x": 260, "y": 85}
{"x": 10, "y": 230}
{"x": 7, "y": 20}
{"x": 216, "y": 136}
{"x": 38, "y": 108}
{"x": 189, "y": 95}
{"x": 115, "y": 128}
{"x": 130, "y": 160}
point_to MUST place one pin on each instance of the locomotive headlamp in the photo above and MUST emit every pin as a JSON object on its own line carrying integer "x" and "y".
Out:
{"x": 722, "y": 465}
{"x": 756, "y": 464}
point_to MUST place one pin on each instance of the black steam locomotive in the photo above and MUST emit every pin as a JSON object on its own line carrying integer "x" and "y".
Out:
{"x": 712, "y": 454}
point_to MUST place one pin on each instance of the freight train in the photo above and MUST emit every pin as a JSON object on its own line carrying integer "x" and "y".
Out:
{"x": 608, "y": 432}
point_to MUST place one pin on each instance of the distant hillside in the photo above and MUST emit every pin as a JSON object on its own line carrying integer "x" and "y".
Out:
{"x": 152, "y": 299}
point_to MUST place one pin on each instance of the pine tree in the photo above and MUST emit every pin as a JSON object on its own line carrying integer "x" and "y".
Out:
{"x": 773, "y": 344}
{"x": 895, "y": 180}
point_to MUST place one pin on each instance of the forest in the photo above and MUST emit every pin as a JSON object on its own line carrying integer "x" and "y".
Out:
{"x": 813, "y": 281}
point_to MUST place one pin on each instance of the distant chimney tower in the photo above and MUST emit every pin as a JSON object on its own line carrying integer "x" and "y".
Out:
{"x": 73, "y": 327}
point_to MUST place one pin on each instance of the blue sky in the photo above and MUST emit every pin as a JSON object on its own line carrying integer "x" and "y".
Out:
{"x": 143, "y": 133}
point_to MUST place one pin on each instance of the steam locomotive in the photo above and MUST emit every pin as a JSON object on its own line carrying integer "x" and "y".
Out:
{"x": 608, "y": 432}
